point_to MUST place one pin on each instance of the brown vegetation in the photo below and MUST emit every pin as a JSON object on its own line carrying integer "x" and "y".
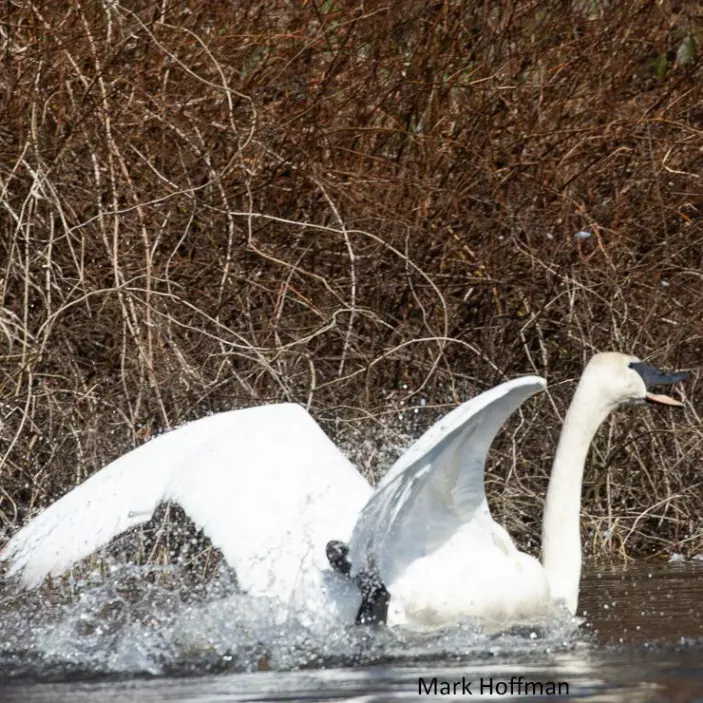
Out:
{"x": 354, "y": 206}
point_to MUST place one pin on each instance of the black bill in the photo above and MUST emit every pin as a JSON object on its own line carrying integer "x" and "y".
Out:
{"x": 654, "y": 377}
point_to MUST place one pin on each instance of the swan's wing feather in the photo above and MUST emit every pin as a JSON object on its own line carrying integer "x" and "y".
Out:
{"x": 437, "y": 485}
{"x": 273, "y": 499}
{"x": 122, "y": 495}
{"x": 265, "y": 484}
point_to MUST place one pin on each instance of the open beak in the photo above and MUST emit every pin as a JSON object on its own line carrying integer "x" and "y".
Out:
{"x": 661, "y": 399}
{"x": 654, "y": 377}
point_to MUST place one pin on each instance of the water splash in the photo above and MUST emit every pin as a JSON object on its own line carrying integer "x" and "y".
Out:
{"x": 147, "y": 621}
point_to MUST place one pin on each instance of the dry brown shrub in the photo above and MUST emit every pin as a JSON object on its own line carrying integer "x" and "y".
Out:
{"x": 355, "y": 206}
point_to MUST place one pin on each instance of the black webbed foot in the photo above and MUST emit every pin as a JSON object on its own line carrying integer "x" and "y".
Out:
{"x": 338, "y": 556}
{"x": 374, "y": 599}
{"x": 374, "y": 596}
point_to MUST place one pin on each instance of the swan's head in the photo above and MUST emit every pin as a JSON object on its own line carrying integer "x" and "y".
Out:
{"x": 621, "y": 378}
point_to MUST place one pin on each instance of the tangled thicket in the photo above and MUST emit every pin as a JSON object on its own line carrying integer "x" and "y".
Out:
{"x": 366, "y": 207}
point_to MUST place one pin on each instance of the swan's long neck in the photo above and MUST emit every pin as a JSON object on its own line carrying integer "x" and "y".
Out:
{"x": 561, "y": 530}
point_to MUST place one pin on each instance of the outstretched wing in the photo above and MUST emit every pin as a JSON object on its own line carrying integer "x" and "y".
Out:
{"x": 122, "y": 495}
{"x": 437, "y": 485}
{"x": 265, "y": 484}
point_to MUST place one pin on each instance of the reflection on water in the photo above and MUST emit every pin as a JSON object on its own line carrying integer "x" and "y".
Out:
{"x": 642, "y": 641}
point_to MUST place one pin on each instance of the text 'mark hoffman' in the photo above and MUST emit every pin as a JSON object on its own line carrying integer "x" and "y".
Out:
{"x": 514, "y": 686}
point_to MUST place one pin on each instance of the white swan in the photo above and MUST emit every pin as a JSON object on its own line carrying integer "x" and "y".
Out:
{"x": 271, "y": 490}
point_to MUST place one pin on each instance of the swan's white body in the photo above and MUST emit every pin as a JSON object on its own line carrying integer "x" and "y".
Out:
{"x": 428, "y": 531}
{"x": 270, "y": 490}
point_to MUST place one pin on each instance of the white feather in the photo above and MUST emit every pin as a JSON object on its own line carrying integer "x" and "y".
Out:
{"x": 270, "y": 490}
{"x": 265, "y": 484}
{"x": 437, "y": 485}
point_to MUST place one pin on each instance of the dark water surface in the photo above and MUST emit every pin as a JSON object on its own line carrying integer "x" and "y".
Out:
{"x": 642, "y": 640}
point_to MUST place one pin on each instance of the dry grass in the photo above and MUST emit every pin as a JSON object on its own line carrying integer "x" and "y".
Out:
{"x": 352, "y": 206}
